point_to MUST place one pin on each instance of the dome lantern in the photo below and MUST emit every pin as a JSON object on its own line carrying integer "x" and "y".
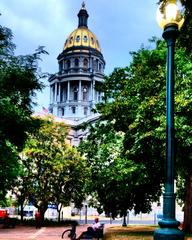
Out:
{"x": 82, "y": 36}
{"x": 83, "y": 16}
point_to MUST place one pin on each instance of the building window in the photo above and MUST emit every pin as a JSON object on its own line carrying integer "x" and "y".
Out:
{"x": 60, "y": 66}
{"x": 62, "y": 112}
{"x": 92, "y": 40}
{"x": 94, "y": 64}
{"x": 85, "y": 63}
{"x": 58, "y": 88}
{"x": 76, "y": 62}
{"x": 73, "y": 109}
{"x": 85, "y": 38}
{"x": 100, "y": 67}
{"x": 78, "y": 38}
{"x": 97, "y": 64}
{"x": 68, "y": 63}
{"x": 85, "y": 110}
{"x": 71, "y": 39}
{"x": 99, "y": 97}
{"x": 85, "y": 91}
{"x": 75, "y": 93}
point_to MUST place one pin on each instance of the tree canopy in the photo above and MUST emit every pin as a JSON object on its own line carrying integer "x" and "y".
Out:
{"x": 135, "y": 104}
{"x": 20, "y": 78}
{"x": 118, "y": 183}
{"x": 53, "y": 171}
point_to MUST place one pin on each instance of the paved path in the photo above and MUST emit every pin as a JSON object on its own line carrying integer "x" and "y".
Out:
{"x": 31, "y": 233}
{"x": 45, "y": 233}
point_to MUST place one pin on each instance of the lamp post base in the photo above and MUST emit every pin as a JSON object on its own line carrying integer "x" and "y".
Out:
{"x": 169, "y": 231}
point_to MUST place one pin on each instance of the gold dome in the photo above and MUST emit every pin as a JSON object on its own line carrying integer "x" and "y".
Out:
{"x": 83, "y": 37}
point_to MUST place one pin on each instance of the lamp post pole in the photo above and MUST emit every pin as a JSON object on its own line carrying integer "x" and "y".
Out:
{"x": 169, "y": 225}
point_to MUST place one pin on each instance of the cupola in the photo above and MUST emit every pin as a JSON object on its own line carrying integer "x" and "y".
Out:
{"x": 82, "y": 36}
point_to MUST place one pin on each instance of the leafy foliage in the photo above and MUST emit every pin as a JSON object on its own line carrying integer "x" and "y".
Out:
{"x": 53, "y": 172}
{"x": 19, "y": 79}
{"x": 135, "y": 104}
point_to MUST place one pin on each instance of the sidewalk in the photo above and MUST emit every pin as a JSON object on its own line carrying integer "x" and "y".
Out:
{"x": 31, "y": 233}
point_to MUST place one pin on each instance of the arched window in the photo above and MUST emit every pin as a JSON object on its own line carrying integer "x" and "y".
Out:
{"x": 97, "y": 64}
{"x": 85, "y": 38}
{"x": 76, "y": 62}
{"x": 73, "y": 109}
{"x": 60, "y": 66}
{"x": 85, "y": 93}
{"x": 100, "y": 66}
{"x": 75, "y": 93}
{"x": 68, "y": 63}
{"x": 78, "y": 38}
{"x": 85, "y": 63}
{"x": 92, "y": 40}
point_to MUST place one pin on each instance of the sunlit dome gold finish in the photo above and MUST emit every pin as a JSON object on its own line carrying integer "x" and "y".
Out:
{"x": 82, "y": 36}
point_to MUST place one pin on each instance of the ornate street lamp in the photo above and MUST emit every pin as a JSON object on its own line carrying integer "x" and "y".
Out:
{"x": 170, "y": 19}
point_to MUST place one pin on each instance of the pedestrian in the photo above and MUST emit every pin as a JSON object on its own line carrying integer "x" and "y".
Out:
{"x": 38, "y": 219}
{"x": 6, "y": 219}
{"x": 96, "y": 225}
{"x": 87, "y": 234}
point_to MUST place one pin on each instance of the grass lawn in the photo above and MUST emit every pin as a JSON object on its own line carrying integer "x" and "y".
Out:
{"x": 131, "y": 233}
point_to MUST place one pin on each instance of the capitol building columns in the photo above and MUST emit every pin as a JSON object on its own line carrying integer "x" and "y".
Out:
{"x": 81, "y": 68}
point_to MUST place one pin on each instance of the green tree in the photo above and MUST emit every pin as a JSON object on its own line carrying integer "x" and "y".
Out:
{"x": 55, "y": 171}
{"x": 120, "y": 183}
{"x": 102, "y": 149}
{"x": 19, "y": 81}
{"x": 138, "y": 110}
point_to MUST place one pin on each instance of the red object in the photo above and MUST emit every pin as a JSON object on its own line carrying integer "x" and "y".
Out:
{"x": 3, "y": 213}
{"x": 38, "y": 219}
{"x": 37, "y": 215}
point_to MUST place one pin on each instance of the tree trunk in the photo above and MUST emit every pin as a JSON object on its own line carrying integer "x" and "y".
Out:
{"x": 42, "y": 209}
{"x": 187, "y": 224}
{"x": 124, "y": 224}
{"x": 59, "y": 207}
{"x": 21, "y": 213}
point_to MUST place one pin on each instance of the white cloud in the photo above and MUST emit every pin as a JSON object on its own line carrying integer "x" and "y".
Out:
{"x": 36, "y": 20}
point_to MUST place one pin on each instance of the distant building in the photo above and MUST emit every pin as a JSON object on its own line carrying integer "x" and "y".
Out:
{"x": 73, "y": 92}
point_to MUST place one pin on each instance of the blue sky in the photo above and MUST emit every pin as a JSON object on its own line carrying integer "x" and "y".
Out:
{"x": 120, "y": 26}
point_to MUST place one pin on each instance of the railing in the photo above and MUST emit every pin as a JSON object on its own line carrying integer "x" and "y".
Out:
{"x": 79, "y": 70}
